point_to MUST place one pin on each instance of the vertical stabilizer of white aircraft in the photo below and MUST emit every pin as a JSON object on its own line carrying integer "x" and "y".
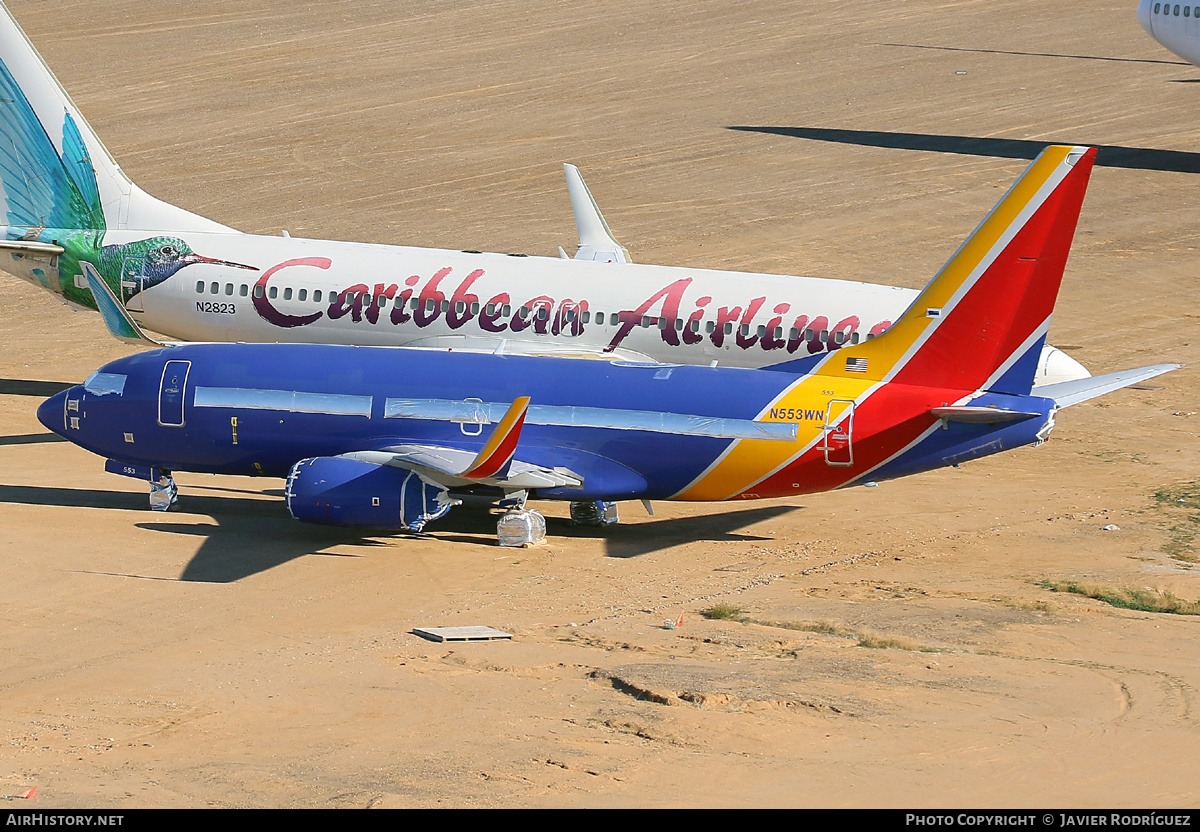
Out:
{"x": 54, "y": 171}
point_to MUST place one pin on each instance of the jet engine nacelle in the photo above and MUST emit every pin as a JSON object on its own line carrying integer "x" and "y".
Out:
{"x": 338, "y": 491}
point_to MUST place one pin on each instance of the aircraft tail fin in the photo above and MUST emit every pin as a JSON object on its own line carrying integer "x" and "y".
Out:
{"x": 497, "y": 454}
{"x": 54, "y": 171}
{"x": 981, "y": 322}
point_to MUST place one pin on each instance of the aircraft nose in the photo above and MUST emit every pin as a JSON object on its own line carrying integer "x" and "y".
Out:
{"x": 52, "y": 412}
{"x": 1144, "y": 16}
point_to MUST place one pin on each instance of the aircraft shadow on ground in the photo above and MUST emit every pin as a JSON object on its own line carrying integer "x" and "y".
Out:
{"x": 1113, "y": 156}
{"x": 1037, "y": 54}
{"x": 249, "y": 536}
{"x": 30, "y": 438}
{"x": 636, "y": 539}
{"x": 253, "y": 535}
{"x": 28, "y": 387}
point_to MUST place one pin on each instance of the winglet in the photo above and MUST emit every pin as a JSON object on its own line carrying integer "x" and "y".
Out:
{"x": 495, "y": 457}
{"x": 596, "y": 241}
{"x": 120, "y": 325}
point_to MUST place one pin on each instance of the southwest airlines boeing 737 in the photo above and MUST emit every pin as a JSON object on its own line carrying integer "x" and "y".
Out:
{"x": 69, "y": 203}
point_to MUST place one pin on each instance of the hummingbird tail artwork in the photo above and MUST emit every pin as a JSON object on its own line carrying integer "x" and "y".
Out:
{"x": 62, "y": 192}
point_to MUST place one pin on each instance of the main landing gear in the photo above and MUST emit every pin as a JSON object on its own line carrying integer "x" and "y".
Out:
{"x": 521, "y": 526}
{"x": 163, "y": 491}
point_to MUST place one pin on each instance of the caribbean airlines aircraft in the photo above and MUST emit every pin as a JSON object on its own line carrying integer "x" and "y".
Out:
{"x": 69, "y": 203}
{"x": 1174, "y": 25}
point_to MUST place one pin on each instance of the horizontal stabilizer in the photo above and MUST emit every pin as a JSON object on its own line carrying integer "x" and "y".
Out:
{"x": 1067, "y": 393}
{"x": 32, "y": 248}
{"x": 974, "y": 415}
{"x": 120, "y": 325}
{"x": 596, "y": 241}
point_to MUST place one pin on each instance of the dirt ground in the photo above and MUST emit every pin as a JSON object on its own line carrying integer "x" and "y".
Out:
{"x": 224, "y": 655}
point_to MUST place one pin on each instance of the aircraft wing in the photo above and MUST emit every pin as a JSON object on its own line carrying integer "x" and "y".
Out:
{"x": 497, "y": 463}
{"x": 1067, "y": 393}
{"x": 494, "y": 464}
{"x": 446, "y": 466}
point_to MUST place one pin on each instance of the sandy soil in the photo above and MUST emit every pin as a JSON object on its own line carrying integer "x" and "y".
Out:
{"x": 227, "y": 656}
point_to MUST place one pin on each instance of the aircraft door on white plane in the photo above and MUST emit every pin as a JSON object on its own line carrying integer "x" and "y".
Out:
{"x": 132, "y": 283}
{"x": 839, "y": 433}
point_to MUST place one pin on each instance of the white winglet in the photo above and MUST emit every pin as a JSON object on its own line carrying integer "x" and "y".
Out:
{"x": 596, "y": 241}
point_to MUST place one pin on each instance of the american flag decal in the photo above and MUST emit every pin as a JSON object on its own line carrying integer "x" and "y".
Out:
{"x": 856, "y": 365}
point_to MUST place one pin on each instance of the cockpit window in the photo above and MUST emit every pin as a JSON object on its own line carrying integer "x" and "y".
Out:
{"x": 102, "y": 384}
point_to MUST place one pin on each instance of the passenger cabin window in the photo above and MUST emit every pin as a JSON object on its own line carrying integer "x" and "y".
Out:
{"x": 317, "y": 295}
{"x": 258, "y": 291}
{"x": 229, "y": 289}
{"x": 302, "y": 295}
{"x": 244, "y": 290}
{"x": 287, "y": 293}
{"x": 214, "y": 288}
{"x": 199, "y": 287}
{"x": 273, "y": 292}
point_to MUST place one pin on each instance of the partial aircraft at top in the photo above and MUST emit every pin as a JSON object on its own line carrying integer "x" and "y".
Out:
{"x": 1174, "y": 25}
{"x": 177, "y": 273}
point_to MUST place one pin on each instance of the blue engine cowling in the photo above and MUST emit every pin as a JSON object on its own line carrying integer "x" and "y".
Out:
{"x": 348, "y": 492}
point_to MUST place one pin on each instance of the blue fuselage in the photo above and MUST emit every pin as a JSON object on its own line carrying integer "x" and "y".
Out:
{"x": 257, "y": 409}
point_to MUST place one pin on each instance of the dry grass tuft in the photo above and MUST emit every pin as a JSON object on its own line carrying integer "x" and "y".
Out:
{"x": 724, "y": 612}
{"x": 1143, "y": 600}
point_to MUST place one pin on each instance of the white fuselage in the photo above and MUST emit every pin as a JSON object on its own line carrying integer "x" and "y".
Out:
{"x": 1174, "y": 25}
{"x": 352, "y": 293}
{"x": 320, "y": 291}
